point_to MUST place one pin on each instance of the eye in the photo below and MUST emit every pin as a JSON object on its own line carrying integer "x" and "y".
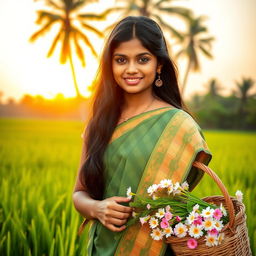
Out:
{"x": 120, "y": 60}
{"x": 143, "y": 60}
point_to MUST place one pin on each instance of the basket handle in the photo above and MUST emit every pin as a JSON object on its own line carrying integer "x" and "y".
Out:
{"x": 223, "y": 189}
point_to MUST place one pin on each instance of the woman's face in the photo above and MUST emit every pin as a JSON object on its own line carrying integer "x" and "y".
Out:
{"x": 134, "y": 67}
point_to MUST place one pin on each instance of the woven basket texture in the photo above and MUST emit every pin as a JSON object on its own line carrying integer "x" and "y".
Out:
{"x": 236, "y": 243}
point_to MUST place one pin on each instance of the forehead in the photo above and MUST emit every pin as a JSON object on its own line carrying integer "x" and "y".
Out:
{"x": 131, "y": 47}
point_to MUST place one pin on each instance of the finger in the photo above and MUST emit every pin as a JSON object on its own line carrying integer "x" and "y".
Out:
{"x": 116, "y": 222}
{"x": 114, "y": 228}
{"x": 121, "y": 208}
{"x": 120, "y": 199}
{"x": 120, "y": 215}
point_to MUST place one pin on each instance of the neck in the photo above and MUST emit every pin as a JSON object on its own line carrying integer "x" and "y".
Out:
{"x": 135, "y": 102}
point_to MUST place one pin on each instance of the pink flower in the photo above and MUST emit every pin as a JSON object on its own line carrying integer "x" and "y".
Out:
{"x": 217, "y": 214}
{"x": 213, "y": 232}
{"x": 144, "y": 220}
{"x": 198, "y": 220}
{"x": 168, "y": 215}
{"x": 178, "y": 218}
{"x": 164, "y": 223}
{"x": 192, "y": 243}
{"x": 148, "y": 206}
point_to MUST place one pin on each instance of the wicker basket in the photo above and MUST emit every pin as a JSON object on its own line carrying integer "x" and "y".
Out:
{"x": 236, "y": 240}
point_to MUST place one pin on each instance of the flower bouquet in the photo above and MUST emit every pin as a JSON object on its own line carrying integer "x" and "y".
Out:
{"x": 186, "y": 221}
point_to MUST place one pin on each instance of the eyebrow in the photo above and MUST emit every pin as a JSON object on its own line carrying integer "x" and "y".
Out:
{"x": 138, "y": 55}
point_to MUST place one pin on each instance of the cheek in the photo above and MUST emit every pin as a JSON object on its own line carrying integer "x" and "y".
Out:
{"x": 117, "y": 71}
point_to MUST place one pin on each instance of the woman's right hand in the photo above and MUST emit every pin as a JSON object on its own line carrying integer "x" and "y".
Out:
{"x": 112, "y": 214}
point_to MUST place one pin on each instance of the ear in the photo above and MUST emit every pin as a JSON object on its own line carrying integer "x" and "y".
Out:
{"x": 159, "y": 68}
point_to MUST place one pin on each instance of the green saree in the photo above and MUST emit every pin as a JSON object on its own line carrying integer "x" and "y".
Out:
{"x": 158, "y": 144}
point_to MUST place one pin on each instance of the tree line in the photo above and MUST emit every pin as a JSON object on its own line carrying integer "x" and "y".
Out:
{"x": 212, "y": 110}
{"x": 236, "y": 111}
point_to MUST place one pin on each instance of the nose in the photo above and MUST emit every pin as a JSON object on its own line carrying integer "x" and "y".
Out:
{"x": 132, "y": 68}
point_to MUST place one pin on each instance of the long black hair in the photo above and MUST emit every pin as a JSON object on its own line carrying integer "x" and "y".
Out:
{"x": 108, "y": 98}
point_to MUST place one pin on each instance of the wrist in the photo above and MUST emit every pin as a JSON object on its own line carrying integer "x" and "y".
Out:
{"x": 94, "y": 209}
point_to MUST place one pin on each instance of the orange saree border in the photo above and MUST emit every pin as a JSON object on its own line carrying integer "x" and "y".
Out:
{"x": 177, "y": 148}
{"x": 126, "y": 126}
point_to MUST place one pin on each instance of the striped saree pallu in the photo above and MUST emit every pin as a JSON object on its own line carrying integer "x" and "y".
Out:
{"x": 149, "y": 147}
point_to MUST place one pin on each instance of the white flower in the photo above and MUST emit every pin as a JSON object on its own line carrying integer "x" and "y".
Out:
{"x": 165, "y": 183}
{"x": 152, "y": 189}
{"x": 168, "y": 232}
{"x": 148, "y": 206}
{"x": 191, "y": 217}
{"x": 223, "y": 210}
{"x": 129, "y": 193}
{"x": 160, "y": 214}
{"x": 218, "y": 225}
{"x": 208, "y": 224}
{"x": 239, "y": 195}
{"x": 195, "y": 231}
{"x": 154, "y": 197}
{"x": 157, "y": 234}
{"x": 180, "y": 230}
{"x": 170, "y": 189}
{"x": 153, "y": 222}
{"x": 208, "y": 212}
{"x": 196, "y": 207}
{"x": 134, "y": 214}
{"x": 176, "y": 188}
{"x": 185, "y": 185}
{"x": 211, "y": 240}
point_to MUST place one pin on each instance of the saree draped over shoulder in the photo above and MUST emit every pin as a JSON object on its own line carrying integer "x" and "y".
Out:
{"x": 155, "y": 145}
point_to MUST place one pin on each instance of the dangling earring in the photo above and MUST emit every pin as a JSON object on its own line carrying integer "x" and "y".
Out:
{"x": 159, "y": 81}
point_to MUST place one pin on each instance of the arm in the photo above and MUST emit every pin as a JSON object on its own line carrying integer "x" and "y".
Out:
{"x": 109, "y": 212}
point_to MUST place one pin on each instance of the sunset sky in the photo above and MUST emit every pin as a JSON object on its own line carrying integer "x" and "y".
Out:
{"x": 24, "y": 67}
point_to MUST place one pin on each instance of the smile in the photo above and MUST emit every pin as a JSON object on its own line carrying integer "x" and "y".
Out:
{"x": 132, "y": 80}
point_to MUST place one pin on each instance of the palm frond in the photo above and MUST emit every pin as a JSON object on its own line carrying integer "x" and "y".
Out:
{"x": 207, "y": 53}
{"x": 54, "y": 5}
{"x": 78, "y": 48}
{"x": 44, "y": 15}
{"x": 160, "y": 2}
{"x": 180, "y": 53}
{"x": 65, "y": 51}
{"x": 207, "y": 41}
{"x": 109, "y": 28}
{"x": 180, "y": 11}
{"x": 42, "y": 31}
{"x": 100, "y": 16}
{"x": 93, "y": 29}
{"x": 55, "y": 41}
{"x": 168, "y": 27}
{"x": 86, "y": 40}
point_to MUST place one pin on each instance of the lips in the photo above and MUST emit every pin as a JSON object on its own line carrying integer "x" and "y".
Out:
{"x": 132, "y": 80}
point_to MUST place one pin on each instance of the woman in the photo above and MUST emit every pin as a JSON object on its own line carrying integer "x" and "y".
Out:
{"x": 139, "y": 133}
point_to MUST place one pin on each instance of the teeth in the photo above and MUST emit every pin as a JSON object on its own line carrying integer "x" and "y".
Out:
{"x": 132, "y": 79}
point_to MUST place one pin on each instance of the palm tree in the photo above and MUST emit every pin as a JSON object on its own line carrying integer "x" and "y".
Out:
{"x": 154, "y": 9}
{"x": 64, "y": 13}
{"x": 213, "y": 88}
{"x": 243, "y": 89}
{"x": 194, "y": 42}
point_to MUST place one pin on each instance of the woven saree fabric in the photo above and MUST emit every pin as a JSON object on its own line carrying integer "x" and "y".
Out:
{"x": 154, "y": 145}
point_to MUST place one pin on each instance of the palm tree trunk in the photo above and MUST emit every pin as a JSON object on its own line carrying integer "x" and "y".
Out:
{"x": 185, "y": 78}
{"x": 78, "y": 94}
